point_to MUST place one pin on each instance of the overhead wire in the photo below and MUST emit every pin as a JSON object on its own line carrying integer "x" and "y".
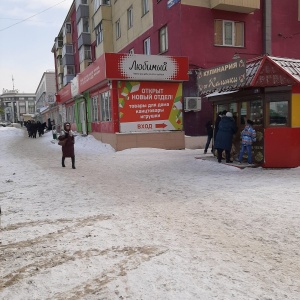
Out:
{"x": 26, "y": 19}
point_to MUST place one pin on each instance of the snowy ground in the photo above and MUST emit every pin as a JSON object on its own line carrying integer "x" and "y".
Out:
{"x": 143, "y": 224}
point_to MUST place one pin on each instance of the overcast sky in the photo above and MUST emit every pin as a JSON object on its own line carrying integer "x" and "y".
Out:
{"x": 25, "y": 52}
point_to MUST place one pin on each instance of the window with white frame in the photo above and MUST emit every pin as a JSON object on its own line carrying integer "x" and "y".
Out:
{"x": 83, "y": 26}
{"x": 99, "y": 34}
{"x": 229, "y": 33}
{"x": 22, "y": 107}
{"x": 163, "y": 39}
{"x": 67, "y": 49}
{"x": 118, "y": 29}
{"x": 145, "y": 7}
{"x": 94, "y": 108}
{"x": 85, "y": 52}
{"x": 147, "y": 50}
{"x": 31, "y": 107}
{"x": 105, "y": 108}
{"x": 130, "y": 17}
{"x": 67, "y": 29}
{"x": 70, "y": 114}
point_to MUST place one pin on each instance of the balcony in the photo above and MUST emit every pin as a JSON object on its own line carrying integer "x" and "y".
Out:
{"x": 84, "y": 39}
{"x": 102, "y": 14}
{"x": 239, "y": 6}
{"x": 58, "y": 52}
{"x": 82, "y": 12}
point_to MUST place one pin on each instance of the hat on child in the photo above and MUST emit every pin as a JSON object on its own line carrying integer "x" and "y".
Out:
{"x": 229, "y": 114}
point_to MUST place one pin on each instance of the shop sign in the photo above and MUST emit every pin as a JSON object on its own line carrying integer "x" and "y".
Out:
{"x": 170, "y": 3}
{"x": 148, "y": 106}
{"x": 74, "y": 86}
{"x": 232, "y": 74}
{"x": 64, "y": 94}
{"x": 92, "y": 75}
{"x": 146, "y": 67}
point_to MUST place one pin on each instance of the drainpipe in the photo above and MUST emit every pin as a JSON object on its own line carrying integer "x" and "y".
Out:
{"x": 267, "y": 27}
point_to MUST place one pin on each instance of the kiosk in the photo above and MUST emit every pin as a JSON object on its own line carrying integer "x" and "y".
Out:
{"x": 270, "y": 97}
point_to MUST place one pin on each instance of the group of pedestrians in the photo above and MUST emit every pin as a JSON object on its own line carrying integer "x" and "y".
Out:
{"x": 222, "y": 136}
{"x": 34, "y": 128}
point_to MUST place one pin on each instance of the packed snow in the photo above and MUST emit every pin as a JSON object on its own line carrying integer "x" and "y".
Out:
{"x": 143, "y": 224}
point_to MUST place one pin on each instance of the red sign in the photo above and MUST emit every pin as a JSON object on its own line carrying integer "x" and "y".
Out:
{"x": 92, "y": 75}
{"x": 64, "y": 94}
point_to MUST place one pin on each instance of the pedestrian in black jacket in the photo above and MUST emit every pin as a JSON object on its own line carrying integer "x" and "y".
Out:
{"x": 227, "y": 128}
{"x": 210, "y": 132}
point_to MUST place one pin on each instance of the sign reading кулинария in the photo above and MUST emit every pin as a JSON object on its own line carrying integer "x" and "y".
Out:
{"x": 232, "y": 74}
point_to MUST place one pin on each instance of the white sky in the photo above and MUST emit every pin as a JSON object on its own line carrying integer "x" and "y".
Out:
{"x": 25, "y": 51}
{"x": 143, "y": 224}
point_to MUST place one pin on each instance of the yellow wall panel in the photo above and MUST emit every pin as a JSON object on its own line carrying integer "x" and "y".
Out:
{"x": 295, "y": 110}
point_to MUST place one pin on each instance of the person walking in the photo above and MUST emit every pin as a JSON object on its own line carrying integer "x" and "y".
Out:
{"x": 248, "y": 136}
{"x": 210, "y": 132}
{"x": 227, "y": 128}
{"x": 68, "y": 141}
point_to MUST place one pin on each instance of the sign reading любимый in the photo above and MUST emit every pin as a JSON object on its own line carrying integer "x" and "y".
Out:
{"x": 232, "y": 74}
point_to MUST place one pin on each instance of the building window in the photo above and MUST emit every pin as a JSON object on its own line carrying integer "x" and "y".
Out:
{"x": 69, "y": 70}
{"x": 130, "y": 17}
{"x": 83, "y": 26}
{"x": 229, "y": 33}
{"x": 99, "y": 34}
{"x": 98, "y": 3}
{"x": 95, "y": 111}
{"x": 131, "y": 51}
{"x": 22, "y": 108}
{"x": 147, "y": 50}
{"x": 118, "y": 29}
{"x": 67, "y": 29}
{"x": 85, "y": 52}
{"x": 31, "y": 107}
{"x": 145, "y": 7}
{"x": 67, "y": 49}
{"x": 163, "y": 39}
{"x": 105, "y": 108}
{"x": 71, "y": 113}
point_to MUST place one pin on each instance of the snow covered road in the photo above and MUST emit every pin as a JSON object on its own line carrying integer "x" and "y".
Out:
{"x": 143, "y": 224}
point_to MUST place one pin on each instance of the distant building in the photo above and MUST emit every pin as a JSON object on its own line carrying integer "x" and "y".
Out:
{"x": 17, "y": 106}
{"x": 45, "y": 94}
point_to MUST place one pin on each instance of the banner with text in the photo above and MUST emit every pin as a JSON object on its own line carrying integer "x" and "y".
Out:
{"x": 148, "y": 106}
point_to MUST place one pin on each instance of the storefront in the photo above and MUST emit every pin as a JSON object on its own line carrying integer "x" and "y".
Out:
{"x": 270, "y": 97}
{"x": 129, "y": 100}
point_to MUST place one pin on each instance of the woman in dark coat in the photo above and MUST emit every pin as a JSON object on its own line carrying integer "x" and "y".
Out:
{"x": 68, "y": 147}
{"x": 227, "y": 128}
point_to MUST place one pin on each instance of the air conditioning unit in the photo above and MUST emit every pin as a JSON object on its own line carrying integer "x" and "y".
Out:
{"x": 192, "y": 103}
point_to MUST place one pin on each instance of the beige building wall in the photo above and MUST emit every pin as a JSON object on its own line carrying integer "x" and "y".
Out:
{"x": 140, "y": 23}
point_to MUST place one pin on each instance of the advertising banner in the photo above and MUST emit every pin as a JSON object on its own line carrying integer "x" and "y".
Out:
{"x": 123, "y": 66}
{"x": 148, "y": 106}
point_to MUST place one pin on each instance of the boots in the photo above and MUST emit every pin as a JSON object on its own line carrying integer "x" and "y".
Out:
{"x": 73, "y": 162}
{"x": 63, "y": 162}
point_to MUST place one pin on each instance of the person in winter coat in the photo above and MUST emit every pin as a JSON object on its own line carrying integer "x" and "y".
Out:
{"x": 248, "y": 136}
{"x": 227, "y": 128}
{"x": 210, "y": 132}
{"x": 68, "y": 147}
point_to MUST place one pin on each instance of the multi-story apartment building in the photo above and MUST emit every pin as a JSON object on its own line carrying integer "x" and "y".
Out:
{"x": 17, "y": 107}
{"x": 207, "y": 32}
